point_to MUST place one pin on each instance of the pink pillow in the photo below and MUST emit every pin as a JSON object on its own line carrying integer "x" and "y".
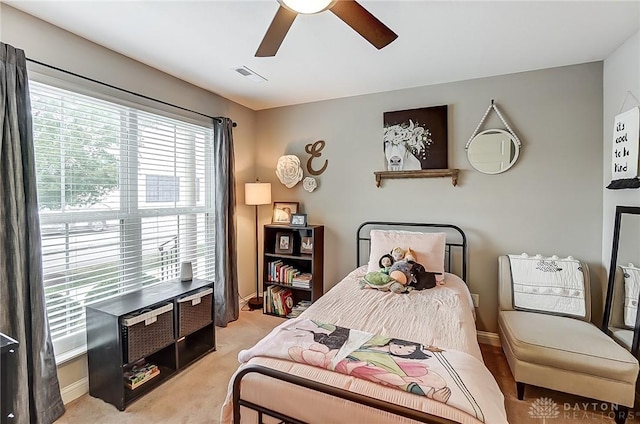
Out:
{"x": 428, "y": 247}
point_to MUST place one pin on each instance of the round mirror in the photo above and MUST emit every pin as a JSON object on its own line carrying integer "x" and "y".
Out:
{"x": 493, "y": 151}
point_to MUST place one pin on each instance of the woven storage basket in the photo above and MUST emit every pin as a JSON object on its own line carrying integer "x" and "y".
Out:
{"x": 147, "y": 332}
{"x": 194, "y": 311}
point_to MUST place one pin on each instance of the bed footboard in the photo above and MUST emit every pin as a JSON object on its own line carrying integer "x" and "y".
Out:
{"x": 323, "y": 388}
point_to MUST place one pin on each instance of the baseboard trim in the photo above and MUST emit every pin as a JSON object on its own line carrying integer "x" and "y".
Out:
{"x": 244, "y": 300}
{"x": 492, "y": 339}
{"x": 74, "y": 390}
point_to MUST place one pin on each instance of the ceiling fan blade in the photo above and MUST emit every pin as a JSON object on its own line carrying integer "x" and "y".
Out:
{"x": 363, "y": 22}
{"x": 276, "y": 32}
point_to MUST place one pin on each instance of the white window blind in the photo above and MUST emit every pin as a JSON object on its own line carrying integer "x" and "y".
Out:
{"x": 125, "y": 196}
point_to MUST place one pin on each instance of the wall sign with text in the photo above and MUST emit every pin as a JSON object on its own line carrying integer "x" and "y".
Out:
{"x": 624, "y": 154}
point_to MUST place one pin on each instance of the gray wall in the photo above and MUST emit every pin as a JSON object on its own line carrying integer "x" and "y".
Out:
{"x": 621, "y": 75}
{"x": 550, "y": 202}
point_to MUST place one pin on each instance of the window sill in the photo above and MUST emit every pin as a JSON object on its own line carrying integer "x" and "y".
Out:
{"x": 70, "y": 355}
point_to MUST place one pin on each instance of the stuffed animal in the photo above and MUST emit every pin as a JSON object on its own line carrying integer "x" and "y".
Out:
{"x": 383, "y": 282}
{"x": 410, "y": 255}
{"x": 386, "y": 261}
{"x": 397, "y": 254}
{"x": 395, "y": 272}
{"x": 422, "y": 279}
{"x": 402, "y": 275}
{"x": 401, "y": 271}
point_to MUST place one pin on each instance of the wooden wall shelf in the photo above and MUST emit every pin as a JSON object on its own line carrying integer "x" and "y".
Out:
{"x": 424, "y": 173}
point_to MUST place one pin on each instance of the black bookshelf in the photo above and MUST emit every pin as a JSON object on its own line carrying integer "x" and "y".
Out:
{"x": 311, "y": 262}
{"x": 8, "y": 357}
{"x": 106, "y": 344}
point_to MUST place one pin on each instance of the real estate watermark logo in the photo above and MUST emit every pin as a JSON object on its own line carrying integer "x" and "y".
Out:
{"x": 544, "y": 408}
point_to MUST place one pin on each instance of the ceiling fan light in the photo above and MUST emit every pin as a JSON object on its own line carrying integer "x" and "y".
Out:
{"x": 307, "y": 7}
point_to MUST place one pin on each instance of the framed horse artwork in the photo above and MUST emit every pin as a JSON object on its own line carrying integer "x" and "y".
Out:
{"x": 416, "y": 139}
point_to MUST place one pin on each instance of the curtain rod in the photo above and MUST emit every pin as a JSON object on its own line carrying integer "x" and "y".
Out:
{"x": 217, "y": 118}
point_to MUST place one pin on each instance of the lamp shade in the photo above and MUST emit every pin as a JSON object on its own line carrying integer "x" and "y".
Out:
{"x": 257, "y": 193}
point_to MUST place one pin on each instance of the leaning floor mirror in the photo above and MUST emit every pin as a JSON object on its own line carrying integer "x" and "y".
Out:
{"x": 621, "y": 320}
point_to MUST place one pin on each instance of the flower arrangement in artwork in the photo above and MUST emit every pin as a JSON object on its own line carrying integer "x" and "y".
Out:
{"x": 416, "y": 139}
{"x": 413, "y": 137}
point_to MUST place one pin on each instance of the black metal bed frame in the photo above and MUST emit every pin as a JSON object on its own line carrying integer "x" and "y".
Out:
{"x": 399, "y": 410}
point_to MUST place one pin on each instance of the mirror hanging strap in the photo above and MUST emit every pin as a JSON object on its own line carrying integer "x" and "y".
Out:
{"x": 504, "y": 121}
{"x": 626, "y": 97}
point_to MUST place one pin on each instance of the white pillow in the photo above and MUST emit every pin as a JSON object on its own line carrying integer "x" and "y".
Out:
{"x": 631, "y": 294}
{"x": 548, "y": 284}
{"x": 428, "y": 247}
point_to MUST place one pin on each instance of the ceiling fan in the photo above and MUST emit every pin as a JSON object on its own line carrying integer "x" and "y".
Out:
{"x": 350, "y": 11}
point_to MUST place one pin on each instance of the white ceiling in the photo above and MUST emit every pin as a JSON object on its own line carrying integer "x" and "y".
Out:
{"x": 322, "y": 58}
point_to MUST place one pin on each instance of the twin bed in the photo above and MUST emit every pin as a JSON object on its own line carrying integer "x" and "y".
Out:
{"x": 281, "y": 379}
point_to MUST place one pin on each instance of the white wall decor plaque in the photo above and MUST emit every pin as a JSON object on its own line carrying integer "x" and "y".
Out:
{"x": 289, "y": 171}
{"x": 624, "y": 154}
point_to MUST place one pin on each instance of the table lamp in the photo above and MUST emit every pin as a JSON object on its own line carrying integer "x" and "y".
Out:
{"x": 257, "y": 194}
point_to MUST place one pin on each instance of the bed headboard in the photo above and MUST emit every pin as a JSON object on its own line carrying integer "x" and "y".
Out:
{"x": 455, "y": 248}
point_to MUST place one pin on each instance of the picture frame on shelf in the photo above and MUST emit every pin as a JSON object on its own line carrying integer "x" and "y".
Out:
{"x": 284, "y": 243}
{"x": 298, "y": 219}
{"x": 306, "y": 246}
{"x": 282, "y": 212}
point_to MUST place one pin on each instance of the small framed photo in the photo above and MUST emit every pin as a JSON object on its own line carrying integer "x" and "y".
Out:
{"x": 284, "y": 243}
{"x": 282, "y": 212}
{"x": 298, "y": 219}
{"x": 307, "y": 245}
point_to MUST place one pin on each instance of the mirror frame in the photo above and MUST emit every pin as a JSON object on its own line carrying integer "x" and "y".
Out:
{"x": 514, "y": 142}
{"x": 620, "y": 210}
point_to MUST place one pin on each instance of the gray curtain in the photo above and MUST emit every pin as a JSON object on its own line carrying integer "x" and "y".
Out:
{"x": 22, "y": 308}
{"x": 226, "y": 273}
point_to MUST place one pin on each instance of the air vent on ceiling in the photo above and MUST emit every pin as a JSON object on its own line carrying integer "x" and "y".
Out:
{"x": 246, "y": 72}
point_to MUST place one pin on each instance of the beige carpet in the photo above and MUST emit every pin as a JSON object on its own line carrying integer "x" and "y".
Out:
{"x": 195, "y": 395}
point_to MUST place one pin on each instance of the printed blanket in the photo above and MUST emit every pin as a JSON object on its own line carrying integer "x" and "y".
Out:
{"x": 425, "y": 371}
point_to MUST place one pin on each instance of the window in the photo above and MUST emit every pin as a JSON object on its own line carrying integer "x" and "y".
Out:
{"x": 120, "y": 202}
{"x": 162, "y": 188}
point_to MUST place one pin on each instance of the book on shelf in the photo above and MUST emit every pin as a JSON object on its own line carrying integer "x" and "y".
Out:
{"x": 270, "y": 299}
{"x": 273, "y": 268}
{"x": 299, "y": 308}
{"x": 275, "y": 294}
{"x": 140, "y": 374}
{"x": 278, "y": 300}
{"x": 265, "y": 301}
{"x": 286, "y": 301}
{"x": 302, "y": 280}
{"x": 279, "y": 272}
{"x": 283, "y": 273}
